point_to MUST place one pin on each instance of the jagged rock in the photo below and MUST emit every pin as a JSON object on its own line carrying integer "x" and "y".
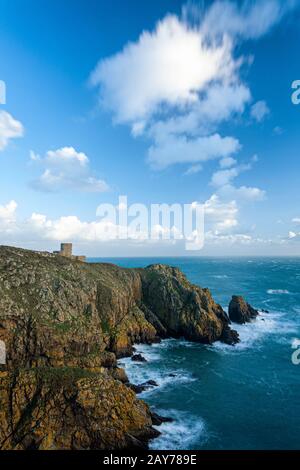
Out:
{"x": 138, "y": 358}
{"x": 152, "y": 383}
{"x": 118, "y": 374}
{"x": 65, "y": 408}
{"x": 181, "y": 308}
{"x": 157, "y": 420}
{"x": 230, "y": 336}
{"x": 137, "y": 388}
{"x": 143, "y": 387}
{"x": 240, "y": 311}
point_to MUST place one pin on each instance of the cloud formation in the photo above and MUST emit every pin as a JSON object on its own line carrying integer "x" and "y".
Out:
{"x": 168, "y": 66}
{"x": 66, "y": 168}
{"x": 8, "y": 216}
{"x": 10, "y": 128}
{"x": 178, "y": 83}
{"x": 179, "y": 149}
{"x": 259, "y": 111}
{"x": 245, "y": 19}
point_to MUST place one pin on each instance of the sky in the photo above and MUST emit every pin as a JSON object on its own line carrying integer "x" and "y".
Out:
{"x": 163, "y": 102}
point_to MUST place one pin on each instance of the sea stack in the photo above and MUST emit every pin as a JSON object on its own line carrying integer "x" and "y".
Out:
{"x": 240, "y": 311}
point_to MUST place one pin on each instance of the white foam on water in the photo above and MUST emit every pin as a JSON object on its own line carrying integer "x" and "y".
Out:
{"x": 140, "y": 372}
{"x": 252, "y": 334}
{"x": 278, "y": 291}
{"x": 181, "y": 434}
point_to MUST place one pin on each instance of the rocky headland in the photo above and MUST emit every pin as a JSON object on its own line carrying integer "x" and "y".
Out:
{"x": 64, "y": 325}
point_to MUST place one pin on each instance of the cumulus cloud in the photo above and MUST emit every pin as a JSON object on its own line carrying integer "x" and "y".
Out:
{"x": 10, "y": 128}
{"x": 166, "y": 66}
{"x": 220, "y": 216}
{"x": 66, "y": 168}
{"x": 181, "y": 80}
{"x": 259, "y": 111}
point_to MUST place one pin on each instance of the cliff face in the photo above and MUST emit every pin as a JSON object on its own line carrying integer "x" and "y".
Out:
{"x": 62, "y": 318}
{"x": 178, "y": 308}
{"x": 63, "y": 408}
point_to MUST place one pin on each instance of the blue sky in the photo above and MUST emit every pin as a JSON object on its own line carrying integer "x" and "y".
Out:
{"x": 162, "y": 101}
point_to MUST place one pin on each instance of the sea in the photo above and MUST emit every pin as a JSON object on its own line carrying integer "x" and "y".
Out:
{"x": 229, "y": 397}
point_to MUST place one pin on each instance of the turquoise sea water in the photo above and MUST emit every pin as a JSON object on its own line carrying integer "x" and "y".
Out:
{"x": 223, "y": 397}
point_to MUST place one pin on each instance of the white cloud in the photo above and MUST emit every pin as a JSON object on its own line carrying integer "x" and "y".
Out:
{"x": 292, "y": 235}
{"x": 193, "y": 170}
{"x": 259, "y": 111}
{"x": 220, "y": 216}
{"x": 227, "y": 162}
{"x": 243, "y": 193}
{"x": 66, "y": 155}
{"x": 34, "y": 156}
{"x": 296, "y": 220}
{"x": 231, "y": 239}
{"x": 65, "y": 168}
{"x": 8, "y": 216}
{"x": 180, "y": 149}
{"x": 10, "y": 128}
{"x": 246, "y": 20}
{"x": 223, "y": 181}
{"x": 219, "y": 103}
{"x": 177, "y": 83}
{"x": 224, "y": 177}
{"x": 166, "y": 66}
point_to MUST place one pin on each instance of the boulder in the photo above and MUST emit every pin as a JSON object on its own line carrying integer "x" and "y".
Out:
{"x": 240, "y": 311}
{"x": 138, "y": 358}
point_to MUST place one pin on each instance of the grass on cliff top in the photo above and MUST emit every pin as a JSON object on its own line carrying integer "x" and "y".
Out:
{"x": 59, "y": 376}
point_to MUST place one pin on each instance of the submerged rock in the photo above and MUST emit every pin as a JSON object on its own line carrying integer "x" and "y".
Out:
{"x": 240, "y": 311}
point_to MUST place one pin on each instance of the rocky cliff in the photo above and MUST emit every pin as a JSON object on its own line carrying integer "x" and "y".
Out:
{"x": 64, "y": 324}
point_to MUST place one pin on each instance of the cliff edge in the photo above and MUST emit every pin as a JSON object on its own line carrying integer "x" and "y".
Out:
{"x": 64, "y": 324}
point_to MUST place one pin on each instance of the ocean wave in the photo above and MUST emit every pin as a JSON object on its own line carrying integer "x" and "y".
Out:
{"x": 182, "y": 433}
{"x": 278, "y": 291}
{"x": 252, "y": 334}
{"x": 164, "y": 376}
